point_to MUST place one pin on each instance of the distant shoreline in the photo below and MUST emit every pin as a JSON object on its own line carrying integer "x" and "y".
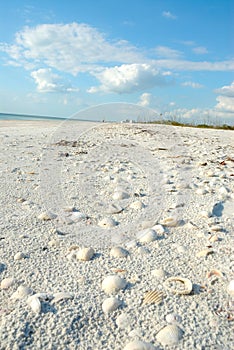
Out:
{"x": 10, "y": 116}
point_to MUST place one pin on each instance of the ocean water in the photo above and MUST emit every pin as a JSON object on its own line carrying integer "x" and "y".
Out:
{"x": 7, "y": 116}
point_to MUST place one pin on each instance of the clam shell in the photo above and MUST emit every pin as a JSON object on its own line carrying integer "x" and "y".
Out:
{"x": 147, "y": 236}
{"x": 7, "y": 282}
{"x": 21, "y": 292}
{"x": 85, "y": 254}
{"x": 137, "y": 205}
{"x": 107, "y": 223}
{"x": 153, "y": 297}
{"x": 159, "y": 273}
{"x": 173, "y": 318}
{"x": 187, "y": 285}
{"x": 169, "y": 335}
{"x": 113, "y": 283}
{"x": 170, "y": 221}
{"x": 61, "y": 296}
{"x": 19, "y": 256}
{"x": 139, "y": 345}
{"x": 34, "y": 303}
{"x": 110, "y": 304}
{"x": 119, "y": 252}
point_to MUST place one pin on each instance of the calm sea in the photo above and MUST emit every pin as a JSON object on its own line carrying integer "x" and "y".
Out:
{"x": 7, "y": 116}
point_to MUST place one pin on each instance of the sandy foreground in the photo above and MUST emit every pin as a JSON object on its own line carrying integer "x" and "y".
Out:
{"x": 116, "y": 236}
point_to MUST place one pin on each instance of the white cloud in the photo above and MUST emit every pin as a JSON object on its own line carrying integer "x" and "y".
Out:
{"x": 185, "y": 65}
{"x": 47, "y": 81}
{"x": 226, "y": 90}
{"x": 225, "y": 99}
{"x": 128, "y": 78}
{"x": 164, "y": 51}
{"x": 144, "y": 99}
{"x": 169, "y": 15}
{"x": 200, "y": 50}
{"x": 192, "y": 84}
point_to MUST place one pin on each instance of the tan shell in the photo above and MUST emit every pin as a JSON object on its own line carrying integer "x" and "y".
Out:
{"x": 187, "y": 284}
{"x": 19, "y": 256}
{"x": 47, "y": 216}
{"x": 216, "y": 273}
{"x": 169, "y": 335}
{"x": 7, "y": 282}
{"x": 204, "y": 253}
{"x": 153, "y": 297}
{"x": 214, "y": 238}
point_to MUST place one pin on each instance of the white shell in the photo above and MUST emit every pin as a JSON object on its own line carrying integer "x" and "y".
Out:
{"x": 187, "y": 285}
{"x": 114, "y": 209}
{"x": 110, "y": 304}
{"x": 113, "y": 283}
{"x": 158, "y": 273}
{"x": 137, "y": 205}
{"x": 139, "y": 345}
{"x": 21, "y": 292}
{"x": 7, "y": 282}
{"x": 159, "y": 229}
{"x": 118, "y": 195}
{"x": 61, "y": 296}
{"x": 107, "y": 223}
{"x": 85, "y": 254}
{"x": 230, "y": 288}
{"x": 47, "y": 216}
{"x": 34, "y": 303}
{"x": 170, "y": 221}
{"x": 119, "y": 252}
{"x": 77, "y": 216}
{"x": 169, "y": 335}
{"x": 123, "y": 321}
{"x": 19, "y": 256}
{"x": 173, "y": 318}
{"x": 148, "y": 236}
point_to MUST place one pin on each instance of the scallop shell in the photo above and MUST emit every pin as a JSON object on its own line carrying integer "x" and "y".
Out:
{"x": 118, "y": 195}
{"x": 85, "y": 254}
{"x": 21, "y": 292}
{"x": 19, "y": 256}
{"x": 113, "y": 283}
{"x": 169, "y": 335}
{"x": 34, "y": 303}
{"x": 230, "y": 288}
{"x": 107, "y": 223}
{"x": 204, "y": 253}
{"x": 110, "y": 304}
{"x": 153, "y": 297}
{"x": 47, "y": 215}
{"x": 173, "y": 318}
{"x": 61, "y": 296}
{"x": 147, "y": 236}
{"x": 170, "y": 221}
{"x": 139, "y": 345}
{"x": 187, "y": 284}
{"x": 119, "y": 252}
{"x": 7, "y": 282}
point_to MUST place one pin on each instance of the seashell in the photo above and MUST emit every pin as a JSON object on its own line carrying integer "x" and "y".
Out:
{"x": 173, "y": 318}
{"x": 113, "y": 283}
{"x": 137, "y": 205}
{"x": 139, "y": 345}
{"x": 47, "y": 215}
{"x": 216, "y": 228}
{"x": 170, "y": 222}
{"x": 71, "y": 256}
{"x": 21, "y": 292}
{"x": 131, "y": 244}
{"x": 107, "y": 223}
{"x": 169, "y": 335}
{"x": 205, "y": 214}
{"x": 68, "y": 209}
{"x": 191, "y": 225}
{"x": 119, "y": 252}
{"x": 78, "y": 216}
{"x": 110, "y": 304}
{"x": 61, "y": 296}
{"x": 7, "y": 282}
{"x": 142, "y": 251}
{"x": 114, "y": 209}
{"x": 201, "y": 191}
{"x": 119, "y": 270}
{"x": 85, "y": 254}
{"x": 19, "y": 256}
{"x": 159, "y": 229}
{"x": 73, "y": 247}
{"x": 147, "y": 236}
{"x": 186, "y": 283}
{"x": 204, "y": 253}
{"x": 159, "y": 273}
{"x": 123, "y": 321}
{"x": 230, "y": 288}
{"x": 213, "y": 238}
{"x": 118, "y": 195}
{"x": 34, "y": 303}
{"x": 43, "y": 296}
{"x": 216, "y": 273}
{"x": 153, "y": 297}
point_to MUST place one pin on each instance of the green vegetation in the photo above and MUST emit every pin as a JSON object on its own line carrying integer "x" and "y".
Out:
{"x": 191, "y": 125}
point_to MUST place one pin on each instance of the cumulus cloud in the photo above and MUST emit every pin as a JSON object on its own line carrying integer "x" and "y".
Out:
{"x": 200, "y": 50}
{"x": 144, "y": 99}
{"x": 169, "y": 15}
{"x": 47, "y": 81}
{"x": 192, "y": 84}
{"x": 164, "y": 51}
{"x": 225, "y": 104}
{"x": 129, "y": 78}
{"x": 226, "y": 90}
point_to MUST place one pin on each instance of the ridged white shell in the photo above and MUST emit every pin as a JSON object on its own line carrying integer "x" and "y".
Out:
{"x": 113, "y": 283}
{"x": 7, "y": 282}
{"x": 118, "y": 195}
{"x": 170, "y": 221}
{"x": 230, "y": 288}
{"x": 61, "y": 296}
{"x": 169, "y": 335}
{"x": 153, "y": 297}
{"x": 85, "y": 254}
{"x": 110, "y": 304}
{"x": 185, "y": 282}
{"x": 19, "y": 256}
{"x": 139, "y": 345}
{"x": 148, "y": 236}
{"x": 119, "y": 252}
{"x": 35, "y": 304}
{"x": 173, "y": 318}
{"x": 47, "y": 216}
{"x": 107, "y": 223}
{"x": 21, "y": 292}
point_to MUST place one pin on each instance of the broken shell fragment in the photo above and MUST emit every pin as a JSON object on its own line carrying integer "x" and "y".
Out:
{"x": 170, "y": 221}
{"x": 204, "y": 253}
{"x": 216, "y": 273}
{"x": 230, "y": 288}
{"x": 147, "y": 236}
{"x": 153, "y": 297}
{"x": 35, "y": 304}
{"x": 173, "y": 318}
{"x": 19, "y": 256}
{"x": 21, "y": 292}
{"x": 184, "y": 286}
{"x": 169, "y": 335}
{"x": 61, "y": 296}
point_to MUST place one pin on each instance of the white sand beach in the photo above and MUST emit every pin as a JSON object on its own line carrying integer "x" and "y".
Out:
{"x": 154, "y": 205}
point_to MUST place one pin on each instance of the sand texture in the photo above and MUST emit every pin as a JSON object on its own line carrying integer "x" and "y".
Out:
{"x": 116, "y": 236}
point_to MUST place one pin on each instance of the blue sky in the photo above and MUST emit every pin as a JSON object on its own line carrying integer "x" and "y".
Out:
{"x": 175, "y": 57}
